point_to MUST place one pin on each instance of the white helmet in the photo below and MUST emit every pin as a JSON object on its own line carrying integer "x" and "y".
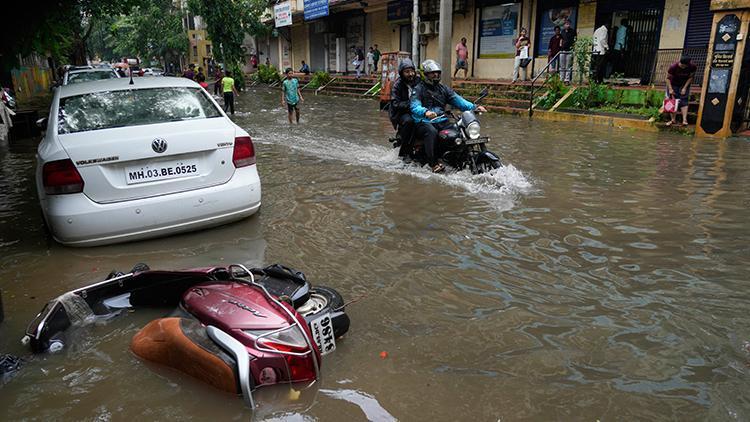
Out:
{"x": 429, "y": 66}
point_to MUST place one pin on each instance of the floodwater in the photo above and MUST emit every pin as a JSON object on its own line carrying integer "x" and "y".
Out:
{"x": 602, "y": 275}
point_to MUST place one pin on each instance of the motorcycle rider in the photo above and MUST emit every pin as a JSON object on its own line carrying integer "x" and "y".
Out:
{"x": 400, "y": 111}
{"x": 428, "y": 108}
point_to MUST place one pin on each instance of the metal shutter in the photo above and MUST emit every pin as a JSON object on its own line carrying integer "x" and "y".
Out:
{"x": 698, "y": 30}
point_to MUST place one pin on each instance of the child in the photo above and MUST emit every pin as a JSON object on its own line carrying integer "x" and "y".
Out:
{"x": 291, "y": 95}
{"x": 370, "y": 61}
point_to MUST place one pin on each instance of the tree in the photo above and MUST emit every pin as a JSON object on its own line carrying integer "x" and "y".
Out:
{"x": 227, "y": 22}
{"x": 59, "y": 28}
{"x": 152, "y": 29}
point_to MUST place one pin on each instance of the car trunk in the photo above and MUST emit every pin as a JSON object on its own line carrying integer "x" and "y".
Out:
{"x": 122, "y": 164}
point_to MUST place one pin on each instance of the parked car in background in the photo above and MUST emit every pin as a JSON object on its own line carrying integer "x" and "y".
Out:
{"x": 88, "y": 75}
{"x": 121, "y": 162}
{"x": 153, "y": 71}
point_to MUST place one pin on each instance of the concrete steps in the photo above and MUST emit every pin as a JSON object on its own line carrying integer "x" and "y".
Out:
{"x": 350, "y": 86}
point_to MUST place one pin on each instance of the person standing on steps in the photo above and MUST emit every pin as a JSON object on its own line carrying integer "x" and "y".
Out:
{"x": 376, "y": 58}
{"x": 291, "y": 95}
{"x": 601, "y": 48}
{"x": 568, "y": 35}
{"x": 555, "y": 43}
{"x": 522, "y": 55}
{"x": 229, "y": 90}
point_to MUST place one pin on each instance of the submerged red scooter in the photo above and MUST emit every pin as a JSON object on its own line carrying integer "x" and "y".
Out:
{"x": 235, "y": 328}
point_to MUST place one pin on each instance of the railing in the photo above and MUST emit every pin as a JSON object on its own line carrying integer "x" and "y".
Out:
{"x": 533, "y": 81}
{"x": 666, "y": 57}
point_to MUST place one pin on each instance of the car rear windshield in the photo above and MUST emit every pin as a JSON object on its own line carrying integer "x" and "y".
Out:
{"x": 109, "y": 109}
{"x": 75, "y": 78}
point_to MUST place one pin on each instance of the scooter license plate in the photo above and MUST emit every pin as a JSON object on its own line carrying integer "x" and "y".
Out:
{"x": 482, "y": 140}
{"x": 322, "y": 332}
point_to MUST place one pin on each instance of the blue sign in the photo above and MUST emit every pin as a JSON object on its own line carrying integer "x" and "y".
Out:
{"x": 315, "y": 9}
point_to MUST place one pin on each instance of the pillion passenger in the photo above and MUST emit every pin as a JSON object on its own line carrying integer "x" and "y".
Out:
{"x": 428, "y": 108}
{"x": 400, "y": 111}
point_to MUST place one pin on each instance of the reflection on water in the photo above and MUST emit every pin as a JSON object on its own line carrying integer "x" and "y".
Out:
{"x": 601, "y": 275}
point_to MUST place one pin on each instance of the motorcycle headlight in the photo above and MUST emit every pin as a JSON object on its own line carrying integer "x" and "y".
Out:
{"x": 473, "y": 130}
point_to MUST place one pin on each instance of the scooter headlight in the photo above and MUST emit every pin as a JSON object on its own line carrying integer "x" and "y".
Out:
{"x": 473, "y": 130}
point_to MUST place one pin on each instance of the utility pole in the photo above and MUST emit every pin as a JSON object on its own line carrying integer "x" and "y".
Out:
{"x": 444, "y": 39}
{"x": 415, "y": 33}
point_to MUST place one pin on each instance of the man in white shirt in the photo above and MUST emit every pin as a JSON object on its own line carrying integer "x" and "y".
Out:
{"x": 601, "y": 46}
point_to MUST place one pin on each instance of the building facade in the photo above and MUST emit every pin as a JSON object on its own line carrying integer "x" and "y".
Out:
{"x": 658, "y": 32}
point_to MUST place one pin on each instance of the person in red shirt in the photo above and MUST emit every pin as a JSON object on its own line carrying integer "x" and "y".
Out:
{"x": 679, "y": 77}
{"x": 555, "y": 44}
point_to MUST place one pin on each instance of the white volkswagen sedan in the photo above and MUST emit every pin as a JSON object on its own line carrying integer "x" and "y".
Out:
{"x": 121, "y": 162}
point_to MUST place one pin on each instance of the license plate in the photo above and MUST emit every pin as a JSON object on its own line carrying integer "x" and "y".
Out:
{"x": 482, "y": 140}
{"x": 160, "y": 171}
{"x": 322, "y": 332}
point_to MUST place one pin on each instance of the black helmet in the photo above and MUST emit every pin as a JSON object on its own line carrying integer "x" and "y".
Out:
{"x": 405, "y": 64}
{"x": 431, "y": 66}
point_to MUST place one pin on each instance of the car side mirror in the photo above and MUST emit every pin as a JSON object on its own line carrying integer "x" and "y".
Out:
{"x": 42, "y": 123}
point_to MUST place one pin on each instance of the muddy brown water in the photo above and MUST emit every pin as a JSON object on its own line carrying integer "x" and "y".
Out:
{"x": 602, "y": 275}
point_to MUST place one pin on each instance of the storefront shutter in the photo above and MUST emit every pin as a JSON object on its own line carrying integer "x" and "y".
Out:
{"x": 699, "y": 24}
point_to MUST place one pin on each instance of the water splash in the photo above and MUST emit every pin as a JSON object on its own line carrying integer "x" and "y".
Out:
{"x": 498, "y": 187}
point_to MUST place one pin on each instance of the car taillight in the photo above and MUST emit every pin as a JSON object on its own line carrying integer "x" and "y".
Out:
{"x": 61, "y": 177}
{"x": 244, "y": 152}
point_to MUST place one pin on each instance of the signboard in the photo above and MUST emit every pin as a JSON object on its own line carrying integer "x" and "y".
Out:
{"x": 720, "y": 74}
{"x": 315, "y": 9}
{"x": 399, "y": 11}
{"x": 547, "y": 22}
{"x": 282, "y": 13}
{"x": 498, "y": 26}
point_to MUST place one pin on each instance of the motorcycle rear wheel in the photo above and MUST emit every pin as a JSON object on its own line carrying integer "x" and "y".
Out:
{"x": 326, "y": 300}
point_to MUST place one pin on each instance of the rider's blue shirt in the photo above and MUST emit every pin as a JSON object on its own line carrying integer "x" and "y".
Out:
{"x": 426, "y": 98}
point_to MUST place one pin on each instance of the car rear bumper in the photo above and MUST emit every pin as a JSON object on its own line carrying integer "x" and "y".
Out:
{"x": 75, "y": 220}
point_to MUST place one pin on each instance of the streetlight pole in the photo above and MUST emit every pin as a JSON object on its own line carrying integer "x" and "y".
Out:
{"x": 444, "y": 39}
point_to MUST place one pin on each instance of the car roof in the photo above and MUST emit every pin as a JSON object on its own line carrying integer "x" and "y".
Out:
{"x": 99, "y": 69}
{"x": 124, "y": 84}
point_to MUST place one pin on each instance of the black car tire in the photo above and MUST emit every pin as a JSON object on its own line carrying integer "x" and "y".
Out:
{"x": 335, "y": 306}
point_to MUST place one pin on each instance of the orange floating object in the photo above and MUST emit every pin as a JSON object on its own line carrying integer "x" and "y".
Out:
{"x": 383, "y": 354}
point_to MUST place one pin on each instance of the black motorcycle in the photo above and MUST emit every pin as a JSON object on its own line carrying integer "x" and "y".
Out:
{"x": 461, "y": 145}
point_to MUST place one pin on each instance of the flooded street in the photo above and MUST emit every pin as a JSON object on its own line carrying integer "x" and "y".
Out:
{"x": 601, "y": 275}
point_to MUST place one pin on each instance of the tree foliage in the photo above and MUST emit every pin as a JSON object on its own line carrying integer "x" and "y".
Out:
{"x": 59, "y": 28}
{"x": 227, "y": 22}
{"x": 151, "y": 30}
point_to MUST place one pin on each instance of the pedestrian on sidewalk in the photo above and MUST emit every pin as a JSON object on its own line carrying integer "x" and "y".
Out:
{"x": 679, "y": 77}
{"x": 522, "y": 55}
{"x": 376, "y": 58}
{"x": 291, "y": 95}
{"x": 359, "y": 61}
{"x": 568, "y": 35}
{"x": 462, "y": 58}
{"x": 601, "y": 47}
{"x": 622, "y": 39}
{"x": 370, "y": 60}
{"x": 555, "y": 44}
{"x": 217, "y": 77}
{"x": 189, "y": 73}
{"x": 229, "y": 90}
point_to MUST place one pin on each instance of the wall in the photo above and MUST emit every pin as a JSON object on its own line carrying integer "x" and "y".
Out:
{"x": 30, "y": 81}
{"x": 674, "y": 23}
{"x": 300, "y": 46}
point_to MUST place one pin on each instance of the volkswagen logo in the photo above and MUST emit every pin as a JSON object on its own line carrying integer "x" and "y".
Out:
{"x": 159, "y": 145}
